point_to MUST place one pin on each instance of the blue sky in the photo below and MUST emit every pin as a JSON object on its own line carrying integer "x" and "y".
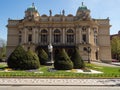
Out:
{"x": 14, "y": 9}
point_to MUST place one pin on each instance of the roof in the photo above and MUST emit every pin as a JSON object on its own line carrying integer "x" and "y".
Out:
{"x": 83, "y": 7}
{"x": 32, "y": 8}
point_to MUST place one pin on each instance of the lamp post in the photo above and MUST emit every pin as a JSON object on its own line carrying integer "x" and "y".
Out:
{"x": 50, "y": 50}
{"x": 89, "y": 51}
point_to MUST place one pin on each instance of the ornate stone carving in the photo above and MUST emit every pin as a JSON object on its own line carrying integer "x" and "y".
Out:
{"x": 84, "y": 16}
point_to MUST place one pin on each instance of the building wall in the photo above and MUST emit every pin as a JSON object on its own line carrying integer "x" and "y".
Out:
{"x": 95, "y": 30}
{"x": 104, "y": 40}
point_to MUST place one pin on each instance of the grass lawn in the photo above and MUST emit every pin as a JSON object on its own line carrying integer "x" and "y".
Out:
{"x": 44, "y": 72}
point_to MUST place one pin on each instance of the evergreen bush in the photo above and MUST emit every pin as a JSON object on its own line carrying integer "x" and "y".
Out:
{"x": 62, "y": 61}
{"x": 14, "y": 60}
{"x": 31, "y": 61}
{"x": 20, "y": 59}
{"x": 77, "y": 60}
{"x": 43, "y": 56}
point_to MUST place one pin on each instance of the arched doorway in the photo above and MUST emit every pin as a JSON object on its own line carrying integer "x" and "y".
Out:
{"x": 70, "y": 36}
{"x": 44, "y": 36}
{"x": 57, "y": 36}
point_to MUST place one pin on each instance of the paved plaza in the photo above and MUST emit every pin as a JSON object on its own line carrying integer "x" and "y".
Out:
{"x": 59, "y": 82}
{"x": 112, "y": 64}
{"x": 58, "y": 88}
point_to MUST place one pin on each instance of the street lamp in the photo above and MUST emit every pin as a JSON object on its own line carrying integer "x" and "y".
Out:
{"x": 50, "y": 50}
{"x": 89, "y": 51}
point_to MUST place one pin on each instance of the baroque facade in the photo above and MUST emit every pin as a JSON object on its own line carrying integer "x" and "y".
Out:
{"x": 62, "y": 31}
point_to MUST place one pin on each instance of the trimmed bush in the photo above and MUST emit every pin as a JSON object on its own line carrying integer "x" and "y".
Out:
{"x": 43, "y": 56}
{"x": 62, "y": 61}
{"x": 77, "y": 60}
{"x": 20, "y": 59}
{"x": 31, "y": 61}
{"x": 15, "y": 58}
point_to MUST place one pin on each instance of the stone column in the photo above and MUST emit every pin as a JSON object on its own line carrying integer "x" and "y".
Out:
{"x": 88, "y": 34}
{"x": 77, "y": 35}
{"x": 80, "y": 35}
{"x": 50, "y": 35}
{"x": 33, "y": 36}
{"x": 63, "y": 36}
{"x": 36, "y": 34}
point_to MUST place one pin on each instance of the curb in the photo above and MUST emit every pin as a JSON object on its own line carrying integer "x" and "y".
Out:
{"x": 56, "y": 85}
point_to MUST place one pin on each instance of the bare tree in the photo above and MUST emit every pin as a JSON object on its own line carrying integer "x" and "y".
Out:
{"x": 2, "y": 48}
{"x": 2, "y": 42}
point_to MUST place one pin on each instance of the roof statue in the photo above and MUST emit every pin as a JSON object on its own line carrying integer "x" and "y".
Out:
{"x": 50, "y": 11}
{"x": 63, "y": 12}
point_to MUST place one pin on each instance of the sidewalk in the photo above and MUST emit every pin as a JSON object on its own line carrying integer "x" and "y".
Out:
{"x": 58, "y": 82}
{"x": 113, "y": 64}
{"x": 116, "y": 63}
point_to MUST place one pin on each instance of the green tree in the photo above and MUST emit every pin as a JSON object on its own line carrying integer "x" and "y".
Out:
{"x": 31, "y": 61}
{"x": 62, "y": 61}
{"x": 20, "y": 59}
{"x": 43, "y": 56}
{"x": 115, "y": 47}
{"x": 77, "y": 60}
{"x": 17, "y": 56}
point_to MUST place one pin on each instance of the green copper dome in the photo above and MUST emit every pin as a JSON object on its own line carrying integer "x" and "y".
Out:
{"x": 32, "y": 8}
{"x": 83, "y": 7}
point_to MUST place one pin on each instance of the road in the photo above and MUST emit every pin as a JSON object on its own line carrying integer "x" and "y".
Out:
{"x": 59, "y": 88}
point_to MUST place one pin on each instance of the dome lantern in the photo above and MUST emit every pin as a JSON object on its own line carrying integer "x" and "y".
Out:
{"x": 82, "y": 8}
{"x": 31, "y": 8}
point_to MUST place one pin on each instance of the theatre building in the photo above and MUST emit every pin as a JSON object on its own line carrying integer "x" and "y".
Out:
{"x": 91, "y": 36}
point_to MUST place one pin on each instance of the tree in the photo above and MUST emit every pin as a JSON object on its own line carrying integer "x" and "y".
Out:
{"x": 77, "y": 60}
{"x": 115, "y": 47}
{"x": 31, "y": 61}
{"x": 62, "y": 61}
{"x": 43, "y": 56}
{"x": 20, "y": 59}
{"x": 3, "y": 49}
{"x": 2, "y": 42}
{"x": 16, "y": 58}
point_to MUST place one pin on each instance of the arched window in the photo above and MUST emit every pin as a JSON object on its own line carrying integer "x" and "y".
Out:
{"x": 70, "y": 36}
{"x": 57, "y": 36}
{"x": 44, "y": 36}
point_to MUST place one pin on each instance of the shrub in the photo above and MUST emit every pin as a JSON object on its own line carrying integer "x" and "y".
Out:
{"x": 20, "y": 59}
{"x": 31, "y": 61}
{"x": 77, "y": 60}
{"x": 14, "y": 60}
{"x": 62, "y": 61}
{"x": 43, "y": 56}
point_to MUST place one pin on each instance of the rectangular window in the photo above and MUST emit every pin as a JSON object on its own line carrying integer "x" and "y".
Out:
{"x": 84, "y": 37}
{"x": 95, "y": 40}
{"x": 29, "y": 37}
{"x": 20, "y": 39}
